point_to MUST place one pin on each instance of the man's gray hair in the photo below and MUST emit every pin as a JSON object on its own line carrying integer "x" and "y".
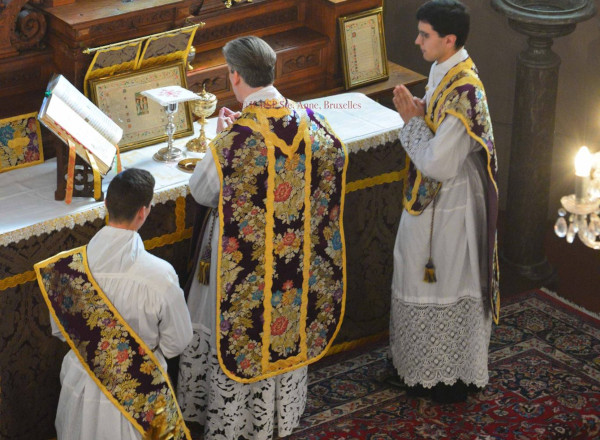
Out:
{"x": 253, "y": 59}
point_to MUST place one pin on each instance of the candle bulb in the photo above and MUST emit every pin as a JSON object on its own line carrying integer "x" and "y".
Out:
{"x": 583, "y": 167}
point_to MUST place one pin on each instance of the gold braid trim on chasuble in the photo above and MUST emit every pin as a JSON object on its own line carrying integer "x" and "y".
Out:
{"x": 274, "y": 198}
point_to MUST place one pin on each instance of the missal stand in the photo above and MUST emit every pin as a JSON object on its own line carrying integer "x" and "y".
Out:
{"x": 91, "y": 138}
{"x": 83, "y": 179}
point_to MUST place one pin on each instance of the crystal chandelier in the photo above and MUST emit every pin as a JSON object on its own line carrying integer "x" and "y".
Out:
{"x": 582, "y": 207}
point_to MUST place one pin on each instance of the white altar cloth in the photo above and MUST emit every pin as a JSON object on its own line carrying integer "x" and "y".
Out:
{"x": 28, "y": 208}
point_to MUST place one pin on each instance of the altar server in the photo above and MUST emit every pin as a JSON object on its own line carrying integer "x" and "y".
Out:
{"x": 268, "y": 292}
{"x": 122, "y": 312}
{"x": 445, "y": 284}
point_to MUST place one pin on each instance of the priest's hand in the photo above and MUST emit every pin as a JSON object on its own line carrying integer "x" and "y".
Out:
{"x": 226, "y": 118}
{"x": 408, "y": 106}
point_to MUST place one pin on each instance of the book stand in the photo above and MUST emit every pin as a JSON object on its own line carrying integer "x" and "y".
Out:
{"x": 83, "y": 185}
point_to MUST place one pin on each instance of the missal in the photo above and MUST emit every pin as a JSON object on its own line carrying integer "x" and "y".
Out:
{"x": 78, "y": 122}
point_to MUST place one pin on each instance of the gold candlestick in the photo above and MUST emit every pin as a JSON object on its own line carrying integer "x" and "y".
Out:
{"x": 203, "y": 107}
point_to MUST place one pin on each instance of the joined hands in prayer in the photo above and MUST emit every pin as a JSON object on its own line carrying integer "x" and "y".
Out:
{"x": 408, "y": 106}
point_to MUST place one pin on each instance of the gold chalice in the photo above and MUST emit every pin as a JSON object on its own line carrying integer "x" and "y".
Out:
{"x": 203, "y": 107}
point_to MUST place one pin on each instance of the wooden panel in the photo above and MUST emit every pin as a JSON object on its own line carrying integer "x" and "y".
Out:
{"x": 247, "y": 18}
{"x": 91, "y": 23}
{"x": 297, "y": 62}
{"x": 322, "y": 16}
{"x": 52, "y": 3}
{"x": 215, "y": 78}
{"x": 300, "y": 62}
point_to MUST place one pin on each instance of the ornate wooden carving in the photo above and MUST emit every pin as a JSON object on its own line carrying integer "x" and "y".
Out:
{"x": 30, "y": 29}
{"x": 19, "y": 28}
{"x": 241, "y": 27}
{"x": 133, "y": 22}
{"x": 215, "y": 81}
{"x": 300, "y": 62}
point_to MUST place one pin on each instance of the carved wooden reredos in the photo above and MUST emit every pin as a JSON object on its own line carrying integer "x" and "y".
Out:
{"x": 37, "y": 40}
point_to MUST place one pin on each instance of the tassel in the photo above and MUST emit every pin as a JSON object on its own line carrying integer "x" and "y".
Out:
{"x": 430, "y": 272}
{"x": 204, "y": 272}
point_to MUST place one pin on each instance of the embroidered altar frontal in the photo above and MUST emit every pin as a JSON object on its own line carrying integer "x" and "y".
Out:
{"x": 281, "y": 290}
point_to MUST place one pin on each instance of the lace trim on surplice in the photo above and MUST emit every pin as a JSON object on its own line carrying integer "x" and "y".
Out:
{"x": 432, "y": 343}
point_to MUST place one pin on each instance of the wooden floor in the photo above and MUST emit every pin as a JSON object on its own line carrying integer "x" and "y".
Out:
{"x": 577, "y": 268}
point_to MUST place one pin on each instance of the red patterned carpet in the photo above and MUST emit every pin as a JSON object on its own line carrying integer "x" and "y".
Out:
{"x": 544, "y": 384}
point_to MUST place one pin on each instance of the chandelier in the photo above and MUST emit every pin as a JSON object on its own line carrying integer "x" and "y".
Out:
{"x": 582, "y": 208}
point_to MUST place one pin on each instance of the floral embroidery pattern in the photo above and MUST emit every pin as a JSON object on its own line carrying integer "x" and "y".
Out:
{"x": 282, "y": 253}
{"x": 19, "y": 142}
{"x": 461, "y": 94}
{"x": 118, "y": 360}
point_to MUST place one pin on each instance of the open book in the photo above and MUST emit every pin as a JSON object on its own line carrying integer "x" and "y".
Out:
{"x": 72, "y": 117}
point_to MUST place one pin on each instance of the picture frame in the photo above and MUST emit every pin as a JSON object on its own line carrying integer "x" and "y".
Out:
{"x": 364, "y": 55}
{"x": 143, "y": 121}
{"x": 20, "y": 142}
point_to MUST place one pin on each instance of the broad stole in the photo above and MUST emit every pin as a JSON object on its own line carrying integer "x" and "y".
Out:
{"x": 281, "y": 267}
{"x": 461, "y": 94}
{"x": 115, "y": 357}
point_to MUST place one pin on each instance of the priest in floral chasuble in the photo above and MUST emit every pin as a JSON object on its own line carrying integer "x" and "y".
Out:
{"x": 272, "y": 299}
{"x": 281, "y": 256}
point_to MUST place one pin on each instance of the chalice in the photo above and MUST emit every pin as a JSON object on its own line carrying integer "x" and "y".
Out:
{"x": 203, "y": 107}
{"x": 170, "y": 97}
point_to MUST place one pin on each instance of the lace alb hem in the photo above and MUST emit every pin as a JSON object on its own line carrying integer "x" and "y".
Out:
{"x": 433, "y": 343}
{"x": 232, "y": 410}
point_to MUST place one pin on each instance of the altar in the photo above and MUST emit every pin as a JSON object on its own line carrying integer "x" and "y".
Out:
{"x": 34, "y": 226}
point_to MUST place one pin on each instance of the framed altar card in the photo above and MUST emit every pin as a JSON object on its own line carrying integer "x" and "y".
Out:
{"x": 143, "y": 120}
{"x": 364, "y": 58}
{"x": 20, "y": 142}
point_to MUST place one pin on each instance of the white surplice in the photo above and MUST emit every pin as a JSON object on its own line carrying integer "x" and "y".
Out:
{"x": 145, "y": 290}
{"x": 229, "y": 410}
{"x": 440, "y": 332}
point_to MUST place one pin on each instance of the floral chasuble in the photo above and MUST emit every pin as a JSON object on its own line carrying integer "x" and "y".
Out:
{"x": 461, "y": 94}
{"x": 281, "y": 265}
{"x": 116, "y": 358}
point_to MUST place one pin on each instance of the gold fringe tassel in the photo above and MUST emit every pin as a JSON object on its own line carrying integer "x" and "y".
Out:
{"x": 430, "y": 272}
{"x": 204, "y": 263}
{"x": 204, "y": 272}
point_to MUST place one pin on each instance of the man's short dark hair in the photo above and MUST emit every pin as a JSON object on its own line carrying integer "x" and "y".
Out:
{"x": 127, "y": 193}
{"x": 446, "y": 17}
{"x": 253, "y": 59}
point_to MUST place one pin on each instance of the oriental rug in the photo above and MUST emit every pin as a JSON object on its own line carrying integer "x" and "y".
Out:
{"x": 544, "y": 384}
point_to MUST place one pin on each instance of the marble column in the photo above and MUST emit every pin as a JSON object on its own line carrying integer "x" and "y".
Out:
{"x": 533, "y": 126}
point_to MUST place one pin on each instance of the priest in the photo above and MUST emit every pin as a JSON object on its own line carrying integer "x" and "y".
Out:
{"x": 268, "y": 291}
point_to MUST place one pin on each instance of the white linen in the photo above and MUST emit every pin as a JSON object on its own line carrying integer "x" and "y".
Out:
{"x": 440, "y": 331}
{"x": 28, "y": 208}
{"x": 205, "y": 393}
{"x": 145, "y": 290}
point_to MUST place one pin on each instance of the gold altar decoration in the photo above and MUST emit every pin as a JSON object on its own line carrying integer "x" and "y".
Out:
{"x": 20, "y": 142}
{"x": 120, "y": 97}
{"x": 138, "y": 53}
{"x": 115, "y": 59}
{"x": 230, "y": 3}
{"x": 203, "y": 108}
{"x": 362, "y": 41}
